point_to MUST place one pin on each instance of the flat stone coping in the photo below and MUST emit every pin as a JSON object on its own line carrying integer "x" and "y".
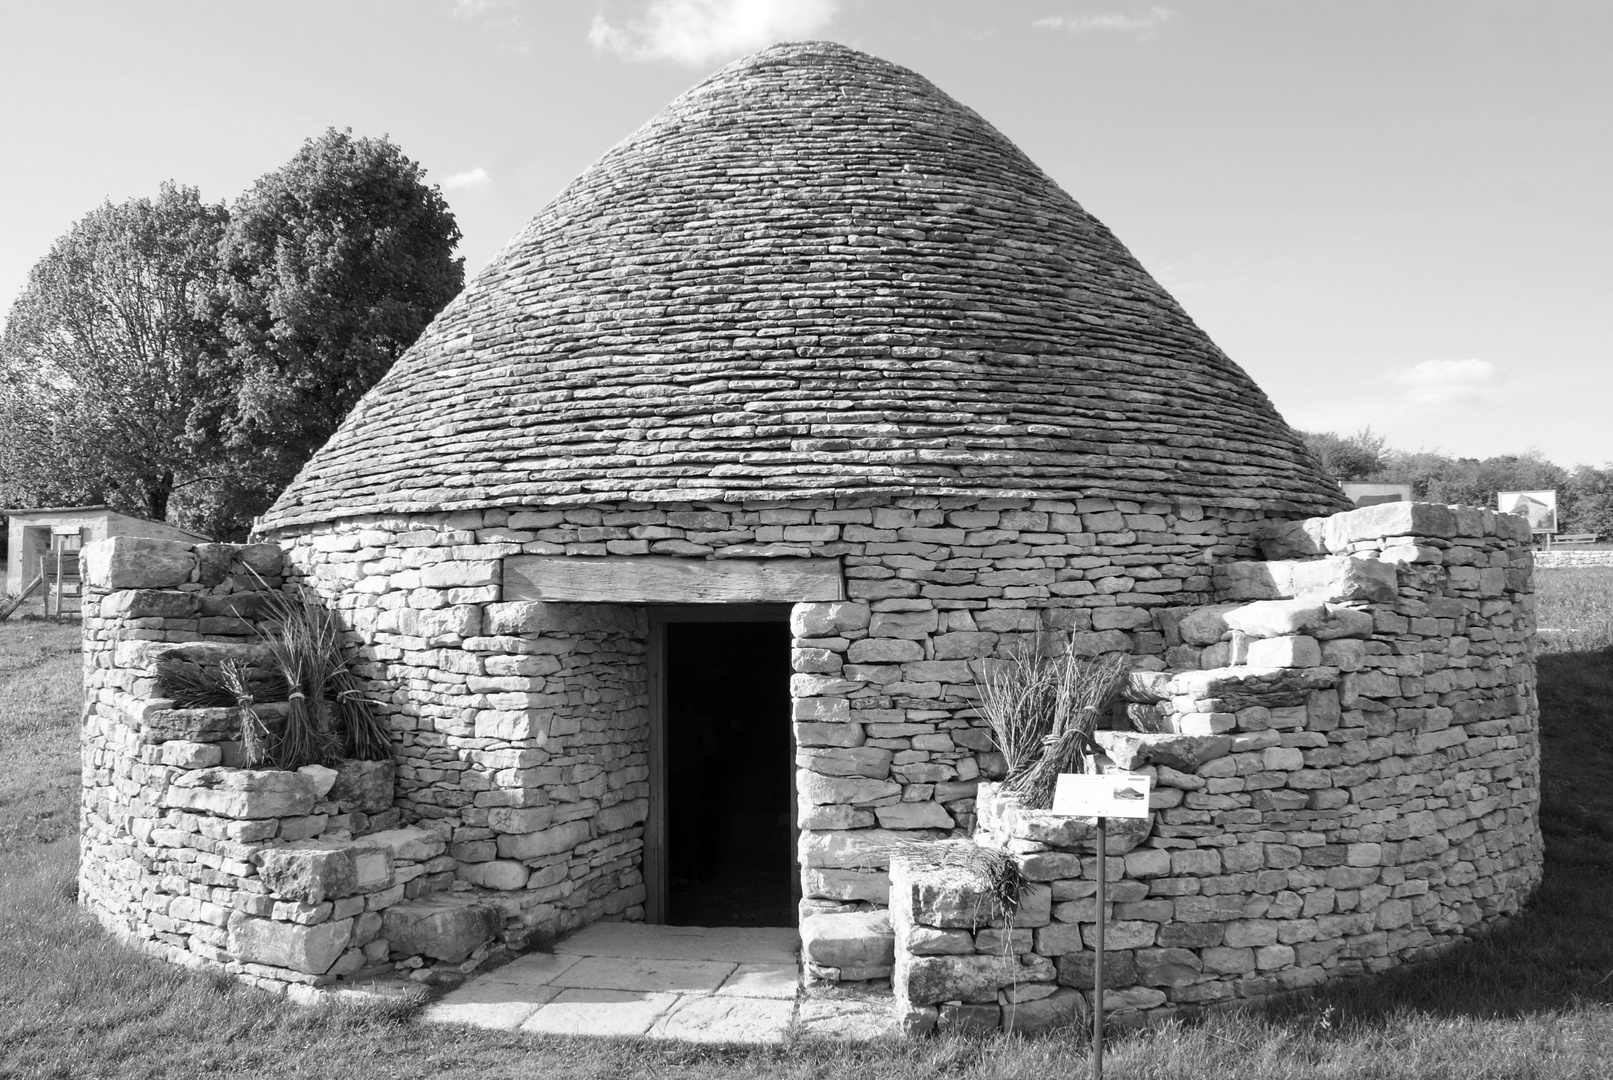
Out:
{"x": 728, "y": 985}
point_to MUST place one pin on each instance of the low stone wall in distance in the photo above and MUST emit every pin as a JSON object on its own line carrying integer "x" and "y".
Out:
{"x": 1552, "y": 559}
{"x": 288, "y": 880}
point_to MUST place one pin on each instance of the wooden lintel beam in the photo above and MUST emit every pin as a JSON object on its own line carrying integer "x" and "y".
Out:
{"x": 657, "y": 579}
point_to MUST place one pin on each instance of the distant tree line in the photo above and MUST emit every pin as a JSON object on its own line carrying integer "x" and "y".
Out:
{"x": 1584, "y": 493}
{"x": 181, "y": 360}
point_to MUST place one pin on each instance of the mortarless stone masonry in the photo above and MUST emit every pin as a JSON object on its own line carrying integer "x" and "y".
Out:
{"x": 818, "y": 310}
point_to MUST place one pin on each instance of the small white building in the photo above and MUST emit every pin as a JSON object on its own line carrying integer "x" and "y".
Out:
{"x": 46, "y": 542}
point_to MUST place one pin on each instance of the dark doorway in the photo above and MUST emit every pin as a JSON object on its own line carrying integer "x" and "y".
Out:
{"x": 729, "y": 768}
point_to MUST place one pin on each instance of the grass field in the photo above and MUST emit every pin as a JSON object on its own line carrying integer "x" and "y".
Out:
{"x": 1534, "y": 999}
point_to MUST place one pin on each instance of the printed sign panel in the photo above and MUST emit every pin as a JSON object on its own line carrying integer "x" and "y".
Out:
{"x": 1102, "y": 794}
{"x": 1540, "y": 507}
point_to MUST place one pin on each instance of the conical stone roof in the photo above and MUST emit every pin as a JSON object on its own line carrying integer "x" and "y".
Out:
{"x": 812, "y": 274}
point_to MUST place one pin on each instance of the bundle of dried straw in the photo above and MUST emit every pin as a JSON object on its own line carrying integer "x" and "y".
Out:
{"x": 1043, "y": 703}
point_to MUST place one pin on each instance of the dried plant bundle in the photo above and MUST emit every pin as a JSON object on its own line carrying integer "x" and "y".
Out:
{"x": 327, "y": 713}
{"x": 191, "y": 686}
{"x": 1043, "y": 707}
{"x": 256, "y": 745}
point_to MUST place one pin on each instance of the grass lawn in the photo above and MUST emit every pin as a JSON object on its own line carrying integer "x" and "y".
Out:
{"x": 1534, "y": 999}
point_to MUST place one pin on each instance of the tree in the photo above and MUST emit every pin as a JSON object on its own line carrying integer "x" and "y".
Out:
{"x": 1352, "y": 457}
{"x": 332, "y": 266}
{"x": 103, "y": 362}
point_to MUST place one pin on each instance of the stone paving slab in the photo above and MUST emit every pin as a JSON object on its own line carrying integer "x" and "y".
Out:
{"x": 603, "y": 1013}
{"x": 753, "y": 1021}
{"x": 689, "y": 984}
{"x": 533, "y": 969}
{"x": 646, "y": 975}
{"x": 490, "y": 1004}
{"x": 735, "y": 944}
{"x": 780, "y": 982}
{"x": 847, "y": 1019}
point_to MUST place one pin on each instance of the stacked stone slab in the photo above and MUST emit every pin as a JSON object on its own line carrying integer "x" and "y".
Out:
{"x": 1353, "y": 784}
{"x": 291, "y": 880}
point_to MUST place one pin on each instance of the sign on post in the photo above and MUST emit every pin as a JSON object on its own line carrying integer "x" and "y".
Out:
{"x": 1101, "y": 796}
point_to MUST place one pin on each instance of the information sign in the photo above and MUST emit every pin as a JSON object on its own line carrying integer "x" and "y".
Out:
{"x": 1102, "y": 795}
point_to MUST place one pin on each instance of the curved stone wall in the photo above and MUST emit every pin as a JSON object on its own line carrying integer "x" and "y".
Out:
{"x": 1339, "y": 712}
{"x": 1350, "y": 784}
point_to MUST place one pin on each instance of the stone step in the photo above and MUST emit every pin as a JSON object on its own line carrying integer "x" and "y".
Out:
{"x": 443, "y": 926}
{"x": 1336, "y": 579}
{"x": 850, "y": 947}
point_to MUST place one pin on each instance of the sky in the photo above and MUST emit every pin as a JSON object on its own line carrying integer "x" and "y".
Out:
{"x": 1395, "y": 214}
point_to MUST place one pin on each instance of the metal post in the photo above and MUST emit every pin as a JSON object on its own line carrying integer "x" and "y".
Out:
{"x": 1097, "y": 964}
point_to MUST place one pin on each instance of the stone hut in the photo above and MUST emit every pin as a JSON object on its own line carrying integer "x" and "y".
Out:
{"x": 673, "y": 548}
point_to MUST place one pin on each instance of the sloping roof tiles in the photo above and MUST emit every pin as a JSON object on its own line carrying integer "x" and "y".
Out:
{"x": 814, "y": 273}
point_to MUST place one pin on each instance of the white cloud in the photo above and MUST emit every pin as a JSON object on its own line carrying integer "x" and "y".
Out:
{"x": 1436, "y": 382}
{"x": 1144, "y": 26}
{"x": 696, "y": 32}
{"x": 470, "y": 179}
{"x": 501, "y": 18}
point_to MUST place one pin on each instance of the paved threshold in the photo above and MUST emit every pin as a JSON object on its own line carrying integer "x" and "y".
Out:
{"x": 685, "y": 983}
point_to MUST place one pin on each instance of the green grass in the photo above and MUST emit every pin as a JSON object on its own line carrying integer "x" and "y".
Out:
{"x": 1574, "y": 608}
{"x": 1534, "y": 999}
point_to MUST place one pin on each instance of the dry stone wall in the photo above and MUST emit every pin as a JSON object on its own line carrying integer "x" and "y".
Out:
{"x": 1552, "y": 559}
{"x": 1339, "y": 714}
{"x": 289, "y": 880}
{"x": 1351, "y": 781}
{"x": 523, "y": 727}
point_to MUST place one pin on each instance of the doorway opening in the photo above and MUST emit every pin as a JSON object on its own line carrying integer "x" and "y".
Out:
{"x": 730, "y": 770}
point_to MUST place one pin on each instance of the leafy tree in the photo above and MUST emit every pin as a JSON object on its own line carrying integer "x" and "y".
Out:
{"x": 1591, "y": 492}
{"x": 104, "y": 358}
{"x": 332, "y": 266}
{"x": 1352, "y": 457}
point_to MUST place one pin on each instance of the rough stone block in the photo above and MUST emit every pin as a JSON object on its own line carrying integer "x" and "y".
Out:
{"x": 828, "y": 619}
{"x": 498, "y": 874}
{"x": 1280, "y": 618}
{"x": 313, "y": 871}
{"x": 242, "y": 793}
{"x": 411, "y": 844}
{"x": 550, "y": 841}
{"x": 137, "y": 562}
{"x": 868, "y": 761}
{"x": 364, "y": 786}
{"x": 517, "y": 618}
{"x": 913, "y": 815}
{"x": 1414, "y": 519}
{"x": 1288, "y": 652}
{"x": 191, "y": 755}
{"x": 873, "y": 886}
{"x": 1206, "y": 625}
{"x": 945, "y": 896}
{"x": 442, "y": 928}
{"x": 810, "y": 734}
{"x": 815, "y": 789}
{"x": 853, "y": 940}
{"x": 847, "y": 849}
{"x": 1131, "y": 750}
{"x": 321, "y": 777}
{"x": 308, "y": 949}
{"x": 149, "y": 604}
{"x": 929, "y": 980}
